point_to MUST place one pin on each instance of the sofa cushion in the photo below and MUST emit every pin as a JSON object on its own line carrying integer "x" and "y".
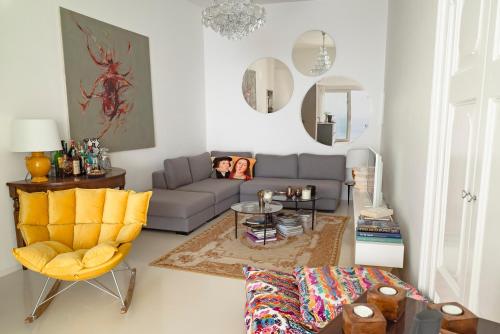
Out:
{"x": 273, "y": 304}
{"x": 324, "y": 188}
{"x": 99, "y": 254}
{"x": 179, "y": 204}
{"x": 200, "y": 166}
{"x": 220, "y": 188}
{"x": 323, "y": 291}
{"x": 229, "y": 153}
{"x": 322, "y": 167}
{"x": 283, "y": 166}
{"x": 177, "y": 172}
{"x": 65, "y": 263}
{"x": 37, "y": 255}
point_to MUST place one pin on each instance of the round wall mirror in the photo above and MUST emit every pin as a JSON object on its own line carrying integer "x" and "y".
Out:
{"x": 336, "y": 109}
{"x": 267, "y": 85}
{"x": 314, "y": 53}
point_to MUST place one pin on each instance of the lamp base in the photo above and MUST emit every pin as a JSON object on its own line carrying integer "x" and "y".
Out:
{"x": 38, "y": 165}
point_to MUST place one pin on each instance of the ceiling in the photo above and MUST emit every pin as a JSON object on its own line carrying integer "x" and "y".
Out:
{"x": 208, "y": 2}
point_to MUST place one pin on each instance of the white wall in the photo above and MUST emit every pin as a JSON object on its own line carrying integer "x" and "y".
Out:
{"x": 32, "y": 83}
{"x": 408, "y": 83}
{"x": 359, "y": 30}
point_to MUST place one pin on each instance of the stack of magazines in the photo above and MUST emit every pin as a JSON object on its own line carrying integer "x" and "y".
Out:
{"x": 378, "y": 230}
{"x": 289, "y": 224}
{"x": 255, "y": 230}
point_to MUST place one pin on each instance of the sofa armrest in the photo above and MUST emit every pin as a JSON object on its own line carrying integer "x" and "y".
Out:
{"x": 159, "y": 180}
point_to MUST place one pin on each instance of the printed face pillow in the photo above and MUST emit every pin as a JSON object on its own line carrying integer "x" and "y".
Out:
{"x": 242, "y": 168}
{"x": 222, "y": 167}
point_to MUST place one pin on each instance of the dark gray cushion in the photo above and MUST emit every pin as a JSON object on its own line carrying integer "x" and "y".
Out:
{"x": 228, "y": 153}
{"x": 220, "y": 188}
{"x": 181, "y": 204}
{"x": 159, "y": 180}
{"x": 324, "y": 188}
{"x": 177, "y": 172}
{"x": 284, "y": 166}
{"x": 200, "y": 166}
{"x": 322, "y": 167}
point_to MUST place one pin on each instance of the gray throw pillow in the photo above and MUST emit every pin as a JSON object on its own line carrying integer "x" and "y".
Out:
{"x": 200, "y": 166}
{"x": 322, "y": 167}
{"x": 281, "y": 166}
{"x": 177, "y": 172}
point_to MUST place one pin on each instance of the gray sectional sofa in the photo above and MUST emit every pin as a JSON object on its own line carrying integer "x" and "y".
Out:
{"x": 185, "y": 196}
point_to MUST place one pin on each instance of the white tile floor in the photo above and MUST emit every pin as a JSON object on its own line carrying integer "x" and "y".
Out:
{"x": 165, "y": 301}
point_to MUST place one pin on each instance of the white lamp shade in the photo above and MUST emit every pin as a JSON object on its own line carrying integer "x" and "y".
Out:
{"x": 34, "y": 135}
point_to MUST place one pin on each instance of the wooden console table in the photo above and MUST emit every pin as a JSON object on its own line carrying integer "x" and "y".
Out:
{"x": 113, "y": 179}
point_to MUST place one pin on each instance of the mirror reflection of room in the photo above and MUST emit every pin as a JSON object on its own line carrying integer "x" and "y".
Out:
{"x": 334, "y": 110}
{"x": 314, "y": 53}
{"x": 267, "y": 85}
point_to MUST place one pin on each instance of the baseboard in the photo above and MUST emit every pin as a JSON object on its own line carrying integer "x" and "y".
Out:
{"x": 9, "y": 270}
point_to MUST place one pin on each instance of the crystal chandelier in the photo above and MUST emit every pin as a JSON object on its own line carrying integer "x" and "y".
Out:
{"x": 323, "y": 61}
{"x": 234, "y": 19}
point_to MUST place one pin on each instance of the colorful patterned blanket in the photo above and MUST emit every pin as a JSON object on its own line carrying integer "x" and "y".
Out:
{"x": 304, "y": 302}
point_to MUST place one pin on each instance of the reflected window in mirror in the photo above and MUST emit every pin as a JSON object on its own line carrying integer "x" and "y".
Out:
{"x": 335, "y": 110}
{"x": 267, "y": 85}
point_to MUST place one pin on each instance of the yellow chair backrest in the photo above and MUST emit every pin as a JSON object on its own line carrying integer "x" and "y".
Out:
{"x": 82, "y": 218}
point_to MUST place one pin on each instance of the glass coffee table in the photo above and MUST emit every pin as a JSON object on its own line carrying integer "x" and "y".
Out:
{"x": 254, "y": 209}
{"x": 297, "y": 200}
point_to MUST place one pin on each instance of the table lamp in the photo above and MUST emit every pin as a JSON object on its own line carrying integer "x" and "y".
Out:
{"x": 36, "y": 136}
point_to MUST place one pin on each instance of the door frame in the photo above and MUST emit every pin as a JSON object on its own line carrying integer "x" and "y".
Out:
{"x": 436, "y": 176}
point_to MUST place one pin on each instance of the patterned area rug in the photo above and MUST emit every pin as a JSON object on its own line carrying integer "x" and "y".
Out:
{"x": 217, "y": 252}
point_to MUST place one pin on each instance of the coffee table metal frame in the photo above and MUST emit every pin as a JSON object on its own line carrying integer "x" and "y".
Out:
{"x": 297, "y": 200}
{"x": 252, "y": 207}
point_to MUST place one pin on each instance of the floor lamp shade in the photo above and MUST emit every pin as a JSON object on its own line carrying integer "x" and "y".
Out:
{"x": 36, "y": 136}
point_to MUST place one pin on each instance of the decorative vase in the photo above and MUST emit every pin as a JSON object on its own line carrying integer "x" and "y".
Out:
{"x": 298, "y": 192}
{"x": 289, "y": 192}
{"x": 260, "y": 196}
{"x": 268, "y": 197}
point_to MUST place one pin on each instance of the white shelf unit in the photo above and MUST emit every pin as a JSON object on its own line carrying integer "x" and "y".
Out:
{"x": 379, "y": 254}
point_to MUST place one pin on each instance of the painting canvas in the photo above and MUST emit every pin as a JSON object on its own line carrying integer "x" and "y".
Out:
{"x": 108, "y": 83}
{"x": 250, "y": 88}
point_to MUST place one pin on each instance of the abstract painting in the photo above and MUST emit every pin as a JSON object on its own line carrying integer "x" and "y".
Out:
{"x": 108, "y": 83}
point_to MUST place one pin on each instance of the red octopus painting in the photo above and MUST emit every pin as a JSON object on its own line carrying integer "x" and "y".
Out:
{"x": 109, "y": 91}
{"x": 109, "y": 87}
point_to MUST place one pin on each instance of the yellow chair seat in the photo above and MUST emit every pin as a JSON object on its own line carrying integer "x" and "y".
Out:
{"x": 55, "y": 260}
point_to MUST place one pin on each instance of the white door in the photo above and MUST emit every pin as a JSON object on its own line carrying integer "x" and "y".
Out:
{"x": 468, "y": 26}
{"x": 484, "y": 294}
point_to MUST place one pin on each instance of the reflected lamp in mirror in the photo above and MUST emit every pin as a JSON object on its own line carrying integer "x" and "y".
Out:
{"x": 335, "y": 109}
{"x": 267, "y": 85}
{"x": 36, "y": 136}
{"x": 314, "y": 53}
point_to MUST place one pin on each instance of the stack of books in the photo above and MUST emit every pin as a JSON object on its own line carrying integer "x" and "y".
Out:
{"x": 378, "y": 230}
{"x": 363, "y": 176}
{"x": 255, "y": 230}
{"x": 288, "y": 224}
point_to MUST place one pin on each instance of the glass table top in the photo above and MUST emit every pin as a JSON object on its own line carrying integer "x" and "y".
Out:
{"x": 283, "y": 198}
{"x": 253, "y": 207}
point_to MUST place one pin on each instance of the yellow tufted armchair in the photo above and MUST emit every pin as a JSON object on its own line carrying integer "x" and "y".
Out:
{"x": 77, "y": 235}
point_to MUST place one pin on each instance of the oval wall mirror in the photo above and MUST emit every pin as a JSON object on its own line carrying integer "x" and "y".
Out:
{"x": 314, "y": 53}
{"x": 267, "y": 85}
{"x": 336, "y": 109}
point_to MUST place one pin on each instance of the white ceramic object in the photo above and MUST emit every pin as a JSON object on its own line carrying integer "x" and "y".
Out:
{"x": 388, "y": 291}
{"x": 452, "y": 310}
{"x": 306, "y": 193}
{"x": 363, "y": 311}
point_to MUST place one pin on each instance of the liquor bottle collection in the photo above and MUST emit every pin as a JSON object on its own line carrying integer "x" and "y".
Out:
{"x": 78, "y": 158}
